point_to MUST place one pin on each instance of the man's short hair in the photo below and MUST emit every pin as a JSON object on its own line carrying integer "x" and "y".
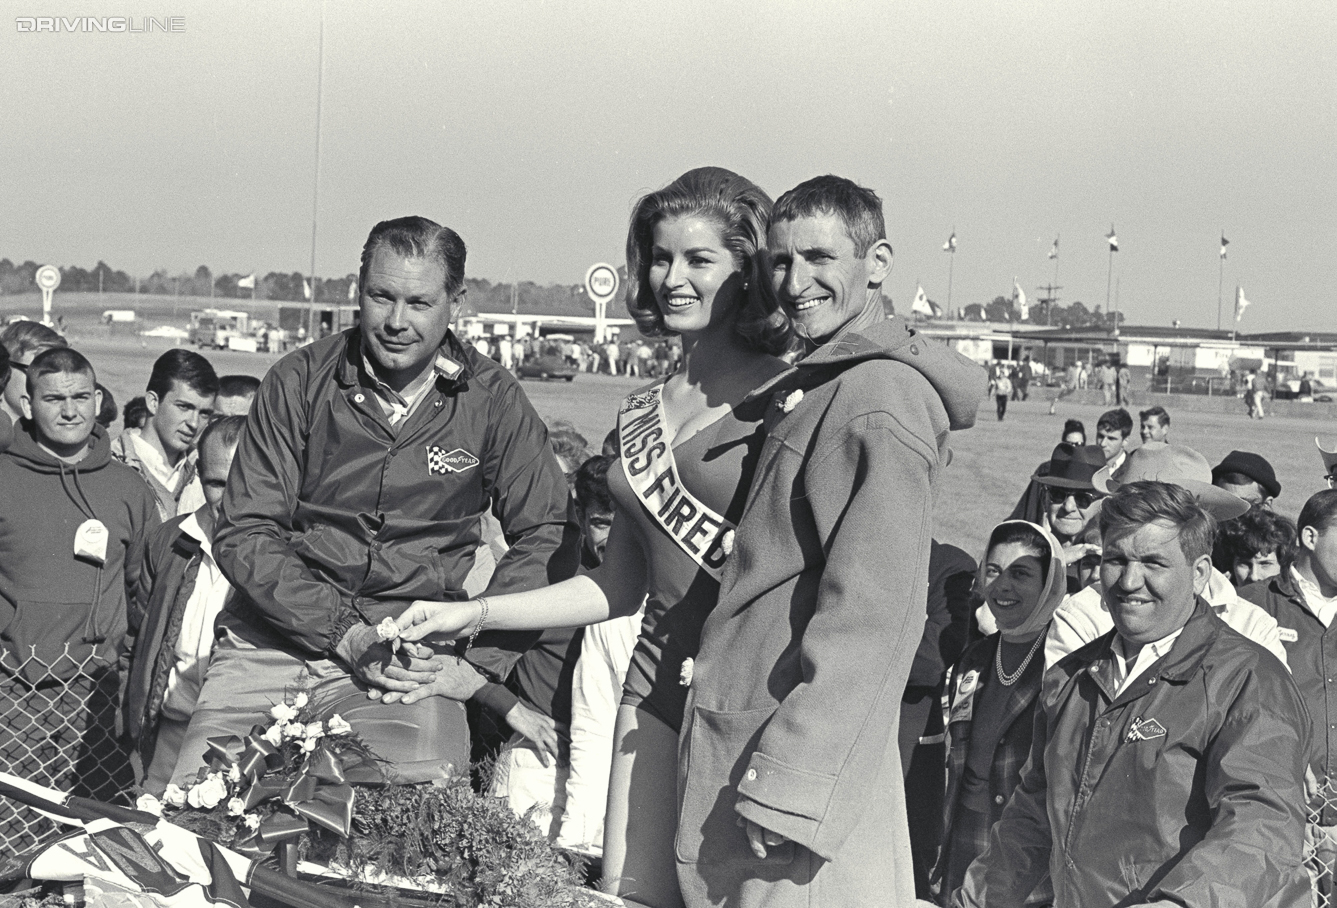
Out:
{"x": 592, "y": 492}
{"x": 1320, "y": 511}
{"x": 184, "y": 367}
{"x": 238, "y": 385}
{"x": 1116, "y": 420}
{"x": 860, "y": 209}
{"x": 417, "y": 237}
{"x": 225, "y": 432}
{"x": 1257, "y": 532}
{"x": 1136, "y": 504}
{"x": 25, "y": 337}
{"x": 1157, "y": 413}
{"x": 58, "y": 361}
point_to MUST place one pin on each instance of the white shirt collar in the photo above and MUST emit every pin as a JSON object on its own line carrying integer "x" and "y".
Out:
{"x": 1148, "y": 655}
{"x": 1320, "y": 606}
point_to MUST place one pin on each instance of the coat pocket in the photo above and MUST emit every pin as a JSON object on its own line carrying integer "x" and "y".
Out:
{"x": 45, "y": 641}
{"x": 719, "y": 747}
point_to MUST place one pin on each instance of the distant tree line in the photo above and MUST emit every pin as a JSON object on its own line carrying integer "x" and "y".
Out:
{"x": 482, "y": 296}
{"x": 1074, "y": 315}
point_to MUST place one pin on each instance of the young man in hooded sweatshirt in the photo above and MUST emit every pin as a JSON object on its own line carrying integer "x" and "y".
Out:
{"x": 72, "y": 525}
{"x": 790, "y": 770}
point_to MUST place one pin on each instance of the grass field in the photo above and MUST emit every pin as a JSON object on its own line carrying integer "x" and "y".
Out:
{"x": 989, "y": 469}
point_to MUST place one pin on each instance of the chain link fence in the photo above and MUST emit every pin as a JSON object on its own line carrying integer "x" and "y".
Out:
{"x": 60, "y": 728}
{"x": 1321, "y": 844}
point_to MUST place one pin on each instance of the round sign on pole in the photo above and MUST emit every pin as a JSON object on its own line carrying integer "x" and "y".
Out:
{"x": 48, "y": 277}
{"x": 601, "y": 282}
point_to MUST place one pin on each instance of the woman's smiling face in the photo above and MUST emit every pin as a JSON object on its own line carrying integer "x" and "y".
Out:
{"x": 1014, "y": 582}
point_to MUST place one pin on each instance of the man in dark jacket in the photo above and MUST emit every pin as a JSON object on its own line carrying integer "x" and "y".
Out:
{"x": 1169, "y": 755}
{"x": 181, "y": 593}
{"x": 1303, "y": 599}
{"x": 365, "y": 466}
{"x": 72, "y": 524}
{"x": 792, "y": 720}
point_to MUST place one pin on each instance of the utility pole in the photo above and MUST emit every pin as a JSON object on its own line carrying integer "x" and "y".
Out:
{"x": 1049, "y": 299}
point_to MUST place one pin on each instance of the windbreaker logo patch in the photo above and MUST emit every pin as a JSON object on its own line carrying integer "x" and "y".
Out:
{"x": 1145, "y": 730}
{"x": 440, "y": 461}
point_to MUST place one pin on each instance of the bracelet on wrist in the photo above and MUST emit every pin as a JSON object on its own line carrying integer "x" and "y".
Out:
{"x": 482, "y": 619}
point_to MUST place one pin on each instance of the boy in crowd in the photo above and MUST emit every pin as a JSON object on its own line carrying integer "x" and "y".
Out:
{"x": 23, "y": 340}
{"x": 1112, "y": 431}
{"x": 532, "y": 772}
{"x": 1303, "y": 599}
{"x": 1254, "y": 547}
{"x": 180, "y": 400}
{"x": 1249, "y": 476}
{"x": 181, "y": 593}
{"x": 236, "y": 393}
{"x": 1155, "y": 424}
{"x": 72, "y": 524}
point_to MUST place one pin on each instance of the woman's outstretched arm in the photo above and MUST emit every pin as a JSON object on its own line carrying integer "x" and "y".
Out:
{"x": 613, "y": 589}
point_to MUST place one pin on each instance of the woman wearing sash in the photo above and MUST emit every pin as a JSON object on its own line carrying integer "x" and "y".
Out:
{"x": 689, "y": 444}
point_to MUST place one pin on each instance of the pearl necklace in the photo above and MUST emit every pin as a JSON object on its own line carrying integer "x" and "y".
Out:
{"x": 1009, "y": 680}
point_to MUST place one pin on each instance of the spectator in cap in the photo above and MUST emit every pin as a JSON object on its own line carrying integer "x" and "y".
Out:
{"x": 1329, "y": 464}
{"x": 1303, "y": 600}
{"x": 1249, "y": 476}
{"x": 1083, "y": 616}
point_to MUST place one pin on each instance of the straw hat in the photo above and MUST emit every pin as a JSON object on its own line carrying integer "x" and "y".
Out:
{"x": 1177, "y": 465}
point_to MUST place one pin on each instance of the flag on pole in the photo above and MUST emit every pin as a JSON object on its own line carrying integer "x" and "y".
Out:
{"x": 1224, "y": 243}
{"x": 924, "y": 306}
{"x": 1053, "y": 252}
{"x": 1019, "y": 298}
{"x": 950, "y": 245}
{"x": 352, "y": 291}
{"x": 306, "y": 288}
{"x": 1240, "y": 304}
{"x": 247, "y": 282}
{"x": 1113, "y": 240}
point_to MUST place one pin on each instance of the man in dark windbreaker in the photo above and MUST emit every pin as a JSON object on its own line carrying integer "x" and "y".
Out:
{"x": 1168, "y": 760}
{"x": 359, "y": 482}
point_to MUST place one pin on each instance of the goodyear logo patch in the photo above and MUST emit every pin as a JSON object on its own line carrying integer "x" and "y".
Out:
{"x": 440, "y": 461}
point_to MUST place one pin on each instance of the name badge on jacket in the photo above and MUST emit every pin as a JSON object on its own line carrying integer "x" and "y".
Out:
{"x": 963, "y": 698}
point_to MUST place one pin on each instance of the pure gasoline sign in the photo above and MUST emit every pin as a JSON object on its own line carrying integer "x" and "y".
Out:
{"x": 601, "y": 282}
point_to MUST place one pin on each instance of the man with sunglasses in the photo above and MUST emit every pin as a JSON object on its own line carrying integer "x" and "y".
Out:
{"x": 1083, "y": 616}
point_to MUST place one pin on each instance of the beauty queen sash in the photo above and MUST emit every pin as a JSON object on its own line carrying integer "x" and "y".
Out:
{"x": 648, "y": 464}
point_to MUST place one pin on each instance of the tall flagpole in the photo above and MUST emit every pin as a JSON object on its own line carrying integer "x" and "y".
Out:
{"x": 1109, "y": 277}
{"x": 312, "y": 318}
{"x": 950, "y": 248}
{"x": 1220, "y": 277}
{"x": 1049, "y": 307}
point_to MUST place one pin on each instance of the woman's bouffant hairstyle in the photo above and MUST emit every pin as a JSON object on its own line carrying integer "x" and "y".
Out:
{"x": 742, "y": 212}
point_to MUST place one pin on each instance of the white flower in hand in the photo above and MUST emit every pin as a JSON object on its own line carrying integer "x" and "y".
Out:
{"x": 314, "y": 730}
{"x": 300, "y": 700}
{"x": 149, "y": 804}
{"x": 685, "y": 673}
{"x": 174, "y": 796}
{"x": 338, "y": 726}
{"x": 236, "y": 807}
{"x": 282, "y": 712}
{"x": 387, "y": 631}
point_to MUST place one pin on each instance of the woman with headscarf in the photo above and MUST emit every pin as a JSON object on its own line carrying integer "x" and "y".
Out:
{"x": 990, "y": 696}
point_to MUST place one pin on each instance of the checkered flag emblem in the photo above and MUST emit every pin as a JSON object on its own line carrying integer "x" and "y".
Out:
{"x": 440, "y": 461}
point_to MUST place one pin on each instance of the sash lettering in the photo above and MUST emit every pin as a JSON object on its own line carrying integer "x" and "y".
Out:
{"x": 647, "y": 462}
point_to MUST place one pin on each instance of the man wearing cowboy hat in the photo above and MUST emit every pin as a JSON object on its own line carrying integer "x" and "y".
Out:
{"x": 1083, "y": 616}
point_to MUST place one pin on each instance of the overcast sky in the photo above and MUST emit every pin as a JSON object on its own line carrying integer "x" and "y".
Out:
{"x": 531, "y": 128}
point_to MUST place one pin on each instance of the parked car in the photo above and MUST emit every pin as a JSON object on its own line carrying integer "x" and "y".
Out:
{"x": 546, "y": 367}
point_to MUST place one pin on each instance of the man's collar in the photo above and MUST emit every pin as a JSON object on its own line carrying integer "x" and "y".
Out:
{"x": 450, "y": 363}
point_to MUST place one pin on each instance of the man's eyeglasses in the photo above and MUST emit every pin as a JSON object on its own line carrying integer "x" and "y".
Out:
{"x": 1082, "y": 497}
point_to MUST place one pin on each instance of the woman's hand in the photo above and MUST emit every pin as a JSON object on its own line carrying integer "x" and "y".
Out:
{"x": 438, "y": 621}
{"x": 1074, "y": 552}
